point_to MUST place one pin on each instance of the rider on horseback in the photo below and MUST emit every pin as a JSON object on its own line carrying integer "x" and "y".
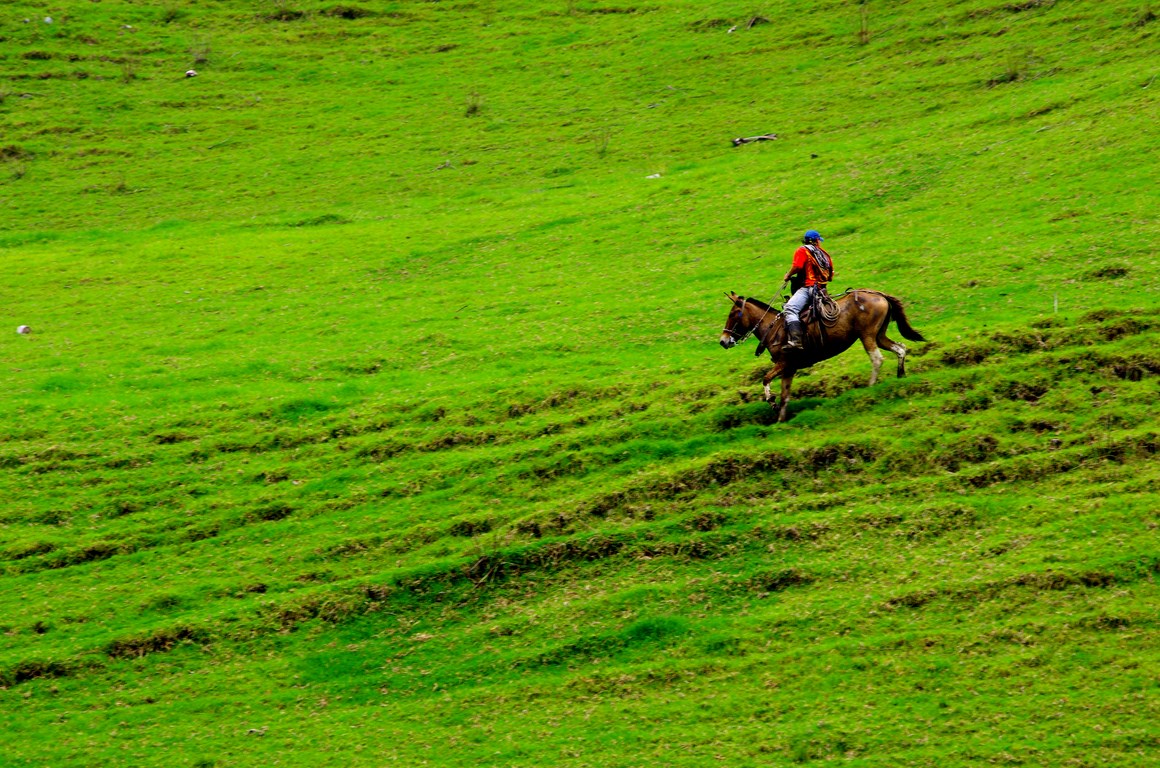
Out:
{"x": 812, "y": 269}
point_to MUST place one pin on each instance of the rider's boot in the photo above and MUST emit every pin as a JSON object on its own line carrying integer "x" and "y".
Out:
{"x": 794, "y": 330}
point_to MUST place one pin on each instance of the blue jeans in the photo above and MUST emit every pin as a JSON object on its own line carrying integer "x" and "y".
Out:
{"x": 797, "y": 303}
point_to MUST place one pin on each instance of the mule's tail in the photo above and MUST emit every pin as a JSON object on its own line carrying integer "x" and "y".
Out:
{"x": 898, "y": 314}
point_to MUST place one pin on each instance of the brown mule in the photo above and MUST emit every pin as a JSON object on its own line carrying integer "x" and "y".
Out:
{"x": 862, "y": 315}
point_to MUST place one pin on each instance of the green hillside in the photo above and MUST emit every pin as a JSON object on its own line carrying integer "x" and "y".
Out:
{"x": 373, "y": 412}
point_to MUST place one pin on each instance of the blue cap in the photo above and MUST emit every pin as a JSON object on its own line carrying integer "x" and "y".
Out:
{"x": 813, "y": 234}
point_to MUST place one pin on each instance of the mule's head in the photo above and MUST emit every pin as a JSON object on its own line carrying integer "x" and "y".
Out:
{"x": 733, "y": 323}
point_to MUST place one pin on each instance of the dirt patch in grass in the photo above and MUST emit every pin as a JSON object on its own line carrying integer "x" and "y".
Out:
{"x": 612, "y": 10}
{"x": 331, "y": 608}
{"x": 1054, "y": 580}
{"x": 829, "y": 386}
{"x": 351, "y": 547}
{"x": 1006, "y": 8}
{"x": 14, "y": 152}
{"x": 99, "y": 550}
{"x": 970, "y": 449}
{"x": 969, "y": 403}
{"x": 935, "y": 521}
{"x": 878, "y": 521}
{"x": 706, "y": 521}
{"x": 1107, "y": 273}
{"x": 269, "y": 513}
{"x": 1127, "y": 326}
{"x": 233, "y": 446}
{"x": 285, "y": 14}
{"x": 710, "y": 25}
{"x": 1146, "y": 17}
{"x": 532, "y": 528}
{"x": 1044, "y": 581}
{"x": 1020, "y": 341}
{"x": 24, "y": 671}
{"x": 382, "y": 451}
{"x": 456, "y": 440}
{"x": 1038, "y": 426}
{"x": 158, "y": 641}
{"x": 685, "y": 549}
{"x": 965, "y": 355}
{"x": 1041, "y": 465}
{"x": 272, "y": 476}
{"x": 556, "y": 400}
{"x": 170, "y": 438}
{"x": 1027, "y": 391}
{"x": 1133, "y": 368}
{"x": 569, "y": 464}
{"x": 200, "y": 533}
{"x": 1106, "y": 623}
{"x": 30, "y": 549}
{"x": 349, "y": 12}
{"x": 804, "y": 533}
{"x": 548, "y": 556}
{"x": 780, "y": 580}
{"x": 469, "y": 528}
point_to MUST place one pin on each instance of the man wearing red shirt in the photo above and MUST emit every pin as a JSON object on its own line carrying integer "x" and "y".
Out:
{"x": 812, "y": 267}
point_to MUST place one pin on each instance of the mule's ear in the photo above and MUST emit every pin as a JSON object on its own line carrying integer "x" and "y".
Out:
{"x": 733, "y": 297}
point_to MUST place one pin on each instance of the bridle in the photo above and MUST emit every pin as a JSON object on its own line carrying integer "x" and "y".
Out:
{"x": 741, "y": 311}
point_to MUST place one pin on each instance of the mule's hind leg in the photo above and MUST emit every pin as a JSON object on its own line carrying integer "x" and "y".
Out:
{"x": 898, "y": 349}
{"x": 875, "y": 357}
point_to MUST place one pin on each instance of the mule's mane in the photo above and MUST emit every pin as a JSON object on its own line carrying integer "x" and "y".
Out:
{"x": 759, "y": 304}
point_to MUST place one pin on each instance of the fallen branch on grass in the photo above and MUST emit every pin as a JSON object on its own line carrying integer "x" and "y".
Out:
{"x": 765, "y": 137}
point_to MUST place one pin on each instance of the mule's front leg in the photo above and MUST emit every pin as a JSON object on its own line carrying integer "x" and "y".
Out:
{"x": 783, "y": 411}
{"x": 765, "y": 383}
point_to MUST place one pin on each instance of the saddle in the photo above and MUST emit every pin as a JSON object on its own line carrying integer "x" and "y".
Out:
{"x": 820, "y": 306}
{"x": 822, "y": 311}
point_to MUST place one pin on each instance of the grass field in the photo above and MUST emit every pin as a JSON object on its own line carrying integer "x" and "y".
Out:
{"x": 373, "y": 410}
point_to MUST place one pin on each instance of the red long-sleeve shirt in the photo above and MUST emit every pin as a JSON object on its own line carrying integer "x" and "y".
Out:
{"x": 802, "y": 260}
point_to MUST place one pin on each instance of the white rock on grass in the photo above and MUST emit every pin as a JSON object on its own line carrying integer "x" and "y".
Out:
{"x": 23, "y": 329}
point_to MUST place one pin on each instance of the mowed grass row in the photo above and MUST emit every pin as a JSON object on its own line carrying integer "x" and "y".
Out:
{"x": 374, "y": 403}
{"x": 442, "y": 503}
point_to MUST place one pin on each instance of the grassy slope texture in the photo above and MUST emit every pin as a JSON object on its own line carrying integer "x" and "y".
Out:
{"x": 373, "y": 414}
